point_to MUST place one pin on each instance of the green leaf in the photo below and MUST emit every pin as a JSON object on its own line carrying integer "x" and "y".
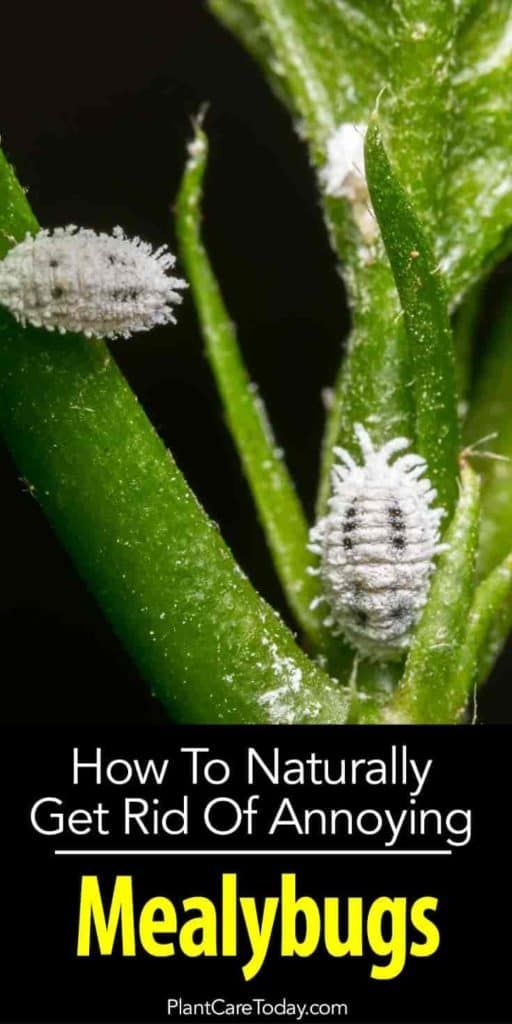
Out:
{"x": 332, "y": 56}
{"x": 419, "y": 100}
{"x": 372, "y": 688}
{"x": 449, "y": 70}
{"x": 478, "y": 203}
{"x": 431, "y": 691}
{"x": 16, "y": 217}
{"x": 489, "y": 414}
{"x": 373, "y": 383}
{"x": 208, "y": 645}
{"x": 465, "y": 325}
{"x": 490, "y": 610}
{"x": 445, "y": 116}
{"x": 431, "y": 350}
{"x": 496, "y": 638}
{"x": 274, "y": 494}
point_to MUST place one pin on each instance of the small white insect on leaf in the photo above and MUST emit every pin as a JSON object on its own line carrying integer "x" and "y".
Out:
{"x": 75, "y": 279}
{"x": 343, "y": 176}
{"x": 377, "y": 546}
{"x": 344, "y": 173}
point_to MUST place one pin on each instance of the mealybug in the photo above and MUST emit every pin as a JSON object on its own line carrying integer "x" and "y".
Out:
{"x": 344, "y": 172}
{"x": 343, "y": 176}
{"x": 73, "y": 279}
{"x": 377, "y": 545}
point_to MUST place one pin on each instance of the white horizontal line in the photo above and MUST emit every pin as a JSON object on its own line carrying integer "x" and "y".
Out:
{"x": 252, "y": 853}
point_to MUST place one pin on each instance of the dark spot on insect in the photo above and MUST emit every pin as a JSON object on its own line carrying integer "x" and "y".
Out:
{"x": 347, "y": 543}
{"x": 360, "y": 616}
{"x": 57, "y": 292}
{"x": 54, "y": 263}
{"x": 133, "y": 294}
{"x": 349, "y": 523}
{"x": 397, "y": 524}
{"x": 396, "y": 517}
{"x": 398, "y": 542}
{"x": 118, "y": 293}
{"x": 112, "y": 260}
{"x": 399, "y": 611}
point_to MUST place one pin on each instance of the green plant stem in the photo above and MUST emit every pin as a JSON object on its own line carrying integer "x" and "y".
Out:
{"x": 289, "y": 30}
{"x": 372, "y": 386}
{"x": 491, "y": 606}
{"x": 445, "y": 115}
{"x": 420, "y": 78}
{"x": 478, "y": 194}
{"x": 430, "y": 691}
{"x": 498, "y": 634}
{"x": 490, "y": 414}
{"x": 372, "y": 690}
{"x": 465, "y": 326}
{"x": 331, "y": 57}
{"x": 424, "y": 305}
{"x": 278, "y": 506}
{"x": 208, "y": 645}
{"x": 16, "y": 217}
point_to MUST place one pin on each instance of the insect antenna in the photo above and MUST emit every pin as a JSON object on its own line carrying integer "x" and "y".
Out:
{"x": 474, "y": 451}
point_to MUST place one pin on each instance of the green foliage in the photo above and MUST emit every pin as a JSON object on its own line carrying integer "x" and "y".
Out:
{"x": 16, "y": 217}
{"x": 429, "y": 354}
{"x": 431, "y": 689}
{"x": 208, "y": 645}
{"x": 441, "y": 71}
{"x": 489, "y": 417}
{"x": 274, "y": 493}
{"x": 420, "y": 77}
{"x": 478, "y": 201}
{"x": 373, "y": 382}
{"x": 448, "y": 71}
{"x": 466, "y": 322}
{"x": 488, "y": 624}
{"x": 433, "y": 78}
{"x": 329, "y": 57}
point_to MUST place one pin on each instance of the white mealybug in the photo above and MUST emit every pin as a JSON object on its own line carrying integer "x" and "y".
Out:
{"x": 377, "y": 545}
{"x": 74, "y": 279}
{"x": 344, "y": 172}
{"x": 344, "y": 176}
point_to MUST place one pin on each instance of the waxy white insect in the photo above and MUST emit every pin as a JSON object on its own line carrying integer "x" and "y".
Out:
{"x": 75, "y": 279}
{"x": 343, "y": 176}
{"x": 377, "y": 545}
{"x": 344, "y": 172}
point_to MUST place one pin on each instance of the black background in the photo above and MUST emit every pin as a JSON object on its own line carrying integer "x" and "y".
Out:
{"x": 467, "y": 980}
{"x": 95, "y": 109}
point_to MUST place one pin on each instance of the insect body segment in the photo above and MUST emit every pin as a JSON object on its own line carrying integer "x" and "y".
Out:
{"x": 377, "y": 545}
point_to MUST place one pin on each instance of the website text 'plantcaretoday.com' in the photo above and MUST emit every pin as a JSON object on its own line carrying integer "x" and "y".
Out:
{"x": 255, "y": 1009}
